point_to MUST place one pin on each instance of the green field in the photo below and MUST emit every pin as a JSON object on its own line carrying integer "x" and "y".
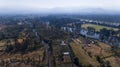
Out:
{"x": 97, "y": 27}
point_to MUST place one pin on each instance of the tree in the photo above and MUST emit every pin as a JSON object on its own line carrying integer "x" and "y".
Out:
{"x": 99, "y": 59}
{"x": 9, "y": 48}
{"x": 1, "y": 36}
{"x": 108, "y": 64}
{"x": 90, "y": 65}
{"x": 76, "y": 61}
{"x": 91, "y": 29}
{"x": 105, "y": 32}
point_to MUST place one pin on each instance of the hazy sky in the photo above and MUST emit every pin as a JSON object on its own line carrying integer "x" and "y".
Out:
{"x": 38, "y": 4}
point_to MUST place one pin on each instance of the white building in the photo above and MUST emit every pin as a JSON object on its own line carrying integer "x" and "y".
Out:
{"x": 63, "y": 43}
{"x": 66, "y": 53}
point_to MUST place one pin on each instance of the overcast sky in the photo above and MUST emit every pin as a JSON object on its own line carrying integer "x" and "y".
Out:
{"x": 38, "y": 4}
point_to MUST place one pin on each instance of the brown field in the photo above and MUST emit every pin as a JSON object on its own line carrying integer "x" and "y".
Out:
{"x": 36, "y": 56}
{"x": 2, "y": 43}
{"x": 82, "y": 55}
{"x": 20, "y": 40}
{"x": 115, "y": 61}
{"x": 81, "y": 50}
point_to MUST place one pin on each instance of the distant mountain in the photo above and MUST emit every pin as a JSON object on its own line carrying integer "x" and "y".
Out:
{"x": 74, "y": 10}
{"x": 85, "y": 11}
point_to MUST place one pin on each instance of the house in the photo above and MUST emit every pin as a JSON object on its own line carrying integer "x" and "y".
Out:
{"x": 63, "y": 43}
{"x": 66, "y": 53}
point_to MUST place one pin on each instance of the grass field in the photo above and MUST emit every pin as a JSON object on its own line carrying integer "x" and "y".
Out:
{"x": 97, "y": 27}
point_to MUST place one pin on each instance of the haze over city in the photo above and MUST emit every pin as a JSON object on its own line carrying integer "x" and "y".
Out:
{"x": 12, "y": 6}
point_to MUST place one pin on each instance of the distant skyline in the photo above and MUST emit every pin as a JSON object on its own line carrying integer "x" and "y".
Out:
{"x": 18, "y": 5}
